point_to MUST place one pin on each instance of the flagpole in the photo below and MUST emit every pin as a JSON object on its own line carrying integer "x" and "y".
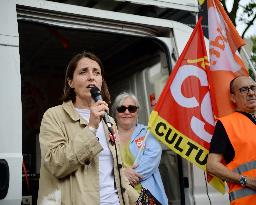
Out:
{"x": 249, "y": 61}
{"x": 141, "y": 148}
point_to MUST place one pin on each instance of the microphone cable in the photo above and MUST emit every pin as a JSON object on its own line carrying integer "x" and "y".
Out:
{"x": 96, "y": 95}
{"x": 207, "y": 190}
{"x": 117, "y": 161}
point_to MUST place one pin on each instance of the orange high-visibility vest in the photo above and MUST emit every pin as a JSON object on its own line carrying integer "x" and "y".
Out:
{"x": 242, "y": 134}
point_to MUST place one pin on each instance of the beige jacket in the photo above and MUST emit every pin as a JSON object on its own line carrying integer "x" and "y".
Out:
{"x": 69, "y": 172}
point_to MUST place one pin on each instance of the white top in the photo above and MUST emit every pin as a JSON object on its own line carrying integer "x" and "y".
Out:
{"x": 108, "y": 193}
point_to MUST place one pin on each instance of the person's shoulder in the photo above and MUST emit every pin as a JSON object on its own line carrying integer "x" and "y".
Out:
{"x": 54, "y": 109}
{"x": 52, "y": 115}
{"x": 226, "y": 116}
{"x": 54, "y": 112}
{"x": 140, "y": 130}
{"x": 141, "y": 126}
{"x": 232, "y": 115}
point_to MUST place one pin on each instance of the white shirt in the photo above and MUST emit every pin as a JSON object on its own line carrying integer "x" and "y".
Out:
{"x": 108, "y": 193}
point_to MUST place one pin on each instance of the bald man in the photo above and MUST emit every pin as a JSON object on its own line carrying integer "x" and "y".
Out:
{"x": 233, "y": 147}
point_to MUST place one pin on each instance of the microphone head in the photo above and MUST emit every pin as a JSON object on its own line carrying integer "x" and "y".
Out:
{"x": 95, "y": 93}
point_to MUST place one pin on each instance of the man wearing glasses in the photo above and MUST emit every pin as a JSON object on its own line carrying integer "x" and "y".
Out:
{"x": 233, "y": 147}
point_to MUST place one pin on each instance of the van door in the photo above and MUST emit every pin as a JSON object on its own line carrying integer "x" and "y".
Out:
{"x": 10, "y": 107}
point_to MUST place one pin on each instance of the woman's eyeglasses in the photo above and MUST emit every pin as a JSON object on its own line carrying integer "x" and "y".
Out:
{"x": 131, "y": 108}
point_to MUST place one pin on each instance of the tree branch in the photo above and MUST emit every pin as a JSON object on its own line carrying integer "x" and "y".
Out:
{"x": 225, "y": 6}
{"x": 248, "y": 25}
{"x": 233, "y": 12}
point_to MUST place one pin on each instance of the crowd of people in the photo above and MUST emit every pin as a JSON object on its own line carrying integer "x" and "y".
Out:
{"x": 83, "y": 163}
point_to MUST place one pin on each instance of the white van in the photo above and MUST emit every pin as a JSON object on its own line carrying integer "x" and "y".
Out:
{"x": 38, "y": 38}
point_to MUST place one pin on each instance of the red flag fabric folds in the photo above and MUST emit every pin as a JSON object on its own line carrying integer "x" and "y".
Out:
{"x": 225, "y": 60}
{"x": 182, "y": 118}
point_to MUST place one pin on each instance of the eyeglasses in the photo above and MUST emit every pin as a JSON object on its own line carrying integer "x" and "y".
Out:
{"x": 131, "y": 108}
{"x": 245, "y": 90}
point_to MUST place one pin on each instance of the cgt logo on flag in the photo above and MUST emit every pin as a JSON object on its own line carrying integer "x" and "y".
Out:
{"x": 188, "y": 128}
{"x": 183, "y": 118}
{"x": 139, "y": 142}
{"x": 181, "y": 79}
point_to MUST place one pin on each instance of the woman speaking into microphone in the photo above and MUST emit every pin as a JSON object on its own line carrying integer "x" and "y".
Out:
{"x": 79, "y": 165}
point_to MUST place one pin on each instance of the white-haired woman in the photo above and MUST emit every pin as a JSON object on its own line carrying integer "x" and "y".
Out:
{"x": 131, "y": 134}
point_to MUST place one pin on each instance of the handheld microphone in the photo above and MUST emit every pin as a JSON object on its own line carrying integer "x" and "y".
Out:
{"x": 96, "y": 95}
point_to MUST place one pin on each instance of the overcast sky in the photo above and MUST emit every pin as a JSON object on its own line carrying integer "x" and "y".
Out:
{"x": 240, "y": 26}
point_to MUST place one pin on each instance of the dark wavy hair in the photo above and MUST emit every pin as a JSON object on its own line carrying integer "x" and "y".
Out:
{"x": 69, "y": 93}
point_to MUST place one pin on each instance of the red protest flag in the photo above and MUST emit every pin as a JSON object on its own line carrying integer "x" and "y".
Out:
{"x": 225, "y": 61}
{"x": 182, "y": 118}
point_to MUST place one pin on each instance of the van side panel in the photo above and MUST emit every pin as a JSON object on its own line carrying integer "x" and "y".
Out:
{"x": 200, "y": 190}
{"x": 10, "y": 104}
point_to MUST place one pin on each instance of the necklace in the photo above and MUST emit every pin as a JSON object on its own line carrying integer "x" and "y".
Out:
{"x": 253, "y": 116}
